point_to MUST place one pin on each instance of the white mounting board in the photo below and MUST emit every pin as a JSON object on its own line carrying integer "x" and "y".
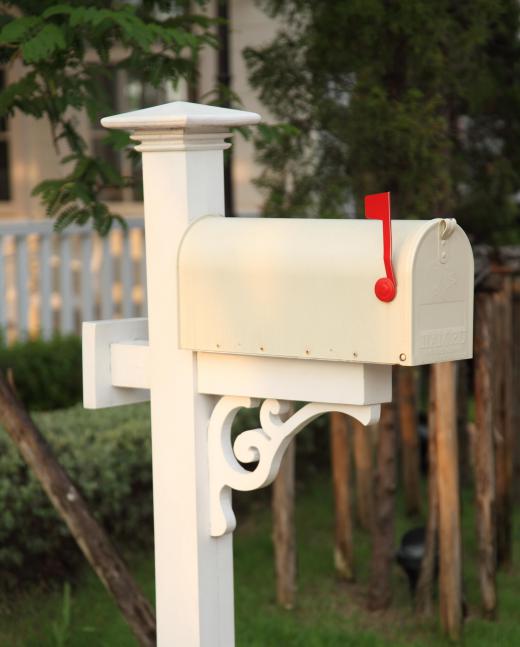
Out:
{"x": 99, "y": 390}
{"x": 303, "y": 380}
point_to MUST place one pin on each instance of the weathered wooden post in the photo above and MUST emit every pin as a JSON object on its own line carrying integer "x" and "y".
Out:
{"x": 364, "y": 466}
{"x": 425, "y": 585}
{"x": 515, "y": 414}
{"x": 341, "y": 481}
{"x": 409, "y": 440}
{"x": 236, "y": 320}
{"x": 462, "y": 423}
{"x": 503, "y": 428}
{"x": 284, "y": 532}
{"x": 485, "y": 480}
{"x": 383, "y": 540}
{"x": 450, "y": 562}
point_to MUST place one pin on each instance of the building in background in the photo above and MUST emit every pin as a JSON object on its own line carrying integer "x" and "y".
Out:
{"x": 27, "y": 155}
{"x": 52, "y": 282}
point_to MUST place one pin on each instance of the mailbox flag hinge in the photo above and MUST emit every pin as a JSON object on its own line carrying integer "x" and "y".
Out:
{"x": 377, "y": 207}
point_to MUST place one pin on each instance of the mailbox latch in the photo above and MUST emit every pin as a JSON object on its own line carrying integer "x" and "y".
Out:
{"x": 377, "y": 207}
{"x": 447, "y": 227}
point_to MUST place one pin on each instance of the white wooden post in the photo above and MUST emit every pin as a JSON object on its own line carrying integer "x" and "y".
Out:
{"x": 182, "y": 146}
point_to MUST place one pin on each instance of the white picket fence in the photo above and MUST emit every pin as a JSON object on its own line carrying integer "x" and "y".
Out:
{"x": 51, "y": 282}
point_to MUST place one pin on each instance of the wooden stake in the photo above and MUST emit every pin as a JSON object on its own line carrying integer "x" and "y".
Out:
{"x": 409, "y": 440}
{"x": 364, "y": 464}
{"x": 425, "y": 585}
{"x": 515, "y": 412}
{"x": 449, "y": 506}
{"x": 283, "y": 530}
{"x": 341, "y": 477}
{"x": 66, "y": 498}
{"x": 503, "y": 432}
{"x": 485, "y": 455}
{"x": 383, "y": 540}
{"x": 462, "y": 422}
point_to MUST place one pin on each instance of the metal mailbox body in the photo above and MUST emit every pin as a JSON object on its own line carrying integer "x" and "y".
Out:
{"x": 302, "y": 288}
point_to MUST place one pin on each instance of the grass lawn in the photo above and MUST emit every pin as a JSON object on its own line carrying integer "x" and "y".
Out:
{"x": 328, "y": 612}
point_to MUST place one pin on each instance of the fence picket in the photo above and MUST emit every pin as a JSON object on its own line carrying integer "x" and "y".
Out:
{"x": 85, "y": 300}
{"x": 144, "y": 304}
{"x": 22, "y": 291}
{"x": 67, "y": 303}
{"x": 107, "y": 279}
{"x": 87, "y": 286}
{"x": 45, "y": 286}
{"x": 126, "y": 277}
{"x": 3, "y": 295}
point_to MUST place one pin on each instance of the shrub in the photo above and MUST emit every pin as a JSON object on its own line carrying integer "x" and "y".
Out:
{"x": 47, "y": 374}
{"x": 107, "y": 453}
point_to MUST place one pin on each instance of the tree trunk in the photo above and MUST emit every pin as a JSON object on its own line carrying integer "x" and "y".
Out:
{"x": 485, "y": 455}
{"x": 383, "y": 541}
{"x": 69, "y": 503}
{"x": 364, "y": 475}
{"x": 503, "y": 433}
{"x": 515, "y": 413}
{"x": 462, "y": 423}
{"x": 283, "y": 530}
{"x": 426, "y": 583}
{"x": 340, "y": 458}
{"x": 409, "y": 440}
{"x": 450, "y": 575}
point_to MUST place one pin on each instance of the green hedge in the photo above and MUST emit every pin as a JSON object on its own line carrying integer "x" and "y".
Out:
{"x": 47, "y": 374}
{"x": 108, "y": 455}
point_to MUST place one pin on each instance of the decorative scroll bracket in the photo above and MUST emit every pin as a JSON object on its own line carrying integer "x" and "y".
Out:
{"x": 265, "y": 445}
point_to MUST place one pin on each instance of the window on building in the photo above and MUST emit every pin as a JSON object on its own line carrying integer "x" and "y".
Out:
{"x": 124, "y": 93}
{"x": 5, "y": 180}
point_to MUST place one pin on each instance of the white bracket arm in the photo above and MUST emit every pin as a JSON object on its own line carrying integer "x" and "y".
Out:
{"x": 265, "y": 445}
{"x": 115, "y": 362}
{"x": 116, "y": 370}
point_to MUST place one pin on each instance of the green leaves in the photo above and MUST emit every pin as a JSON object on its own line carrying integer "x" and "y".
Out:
{"x": 71, "y": 53}
{"x": 36, "y": 39}
{"x": 18, "y": 29}
{"x": 419, "y": 98}
{"x": 46, "y": 42}
{"x": 107, "y": 453}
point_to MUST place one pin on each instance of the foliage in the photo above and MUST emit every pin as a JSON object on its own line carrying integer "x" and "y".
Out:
{"x": 327, "y": 612}
{"x": 107, "y": 454}
{"x": 46, "y": 374}
{"x": 68, "y": 51}
{"x": 61, "y": 628}
{"x": 419, "y": 98}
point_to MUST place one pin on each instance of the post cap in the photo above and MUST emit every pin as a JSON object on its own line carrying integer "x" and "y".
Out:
{"x": 180, "y": 115}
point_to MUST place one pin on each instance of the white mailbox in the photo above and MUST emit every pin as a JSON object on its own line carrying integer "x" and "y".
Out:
{"x": 256, "y": 312}
{"x": 304, "y": 289}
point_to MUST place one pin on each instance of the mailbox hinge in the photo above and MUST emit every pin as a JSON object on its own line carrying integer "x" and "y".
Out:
{"x": 447, "y": 227}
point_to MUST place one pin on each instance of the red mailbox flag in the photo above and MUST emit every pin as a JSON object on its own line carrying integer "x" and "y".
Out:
{"x": 377, "y": 207}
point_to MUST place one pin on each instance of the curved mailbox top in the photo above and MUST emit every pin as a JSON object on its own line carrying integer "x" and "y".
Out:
{"x": 303, "y": 288}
